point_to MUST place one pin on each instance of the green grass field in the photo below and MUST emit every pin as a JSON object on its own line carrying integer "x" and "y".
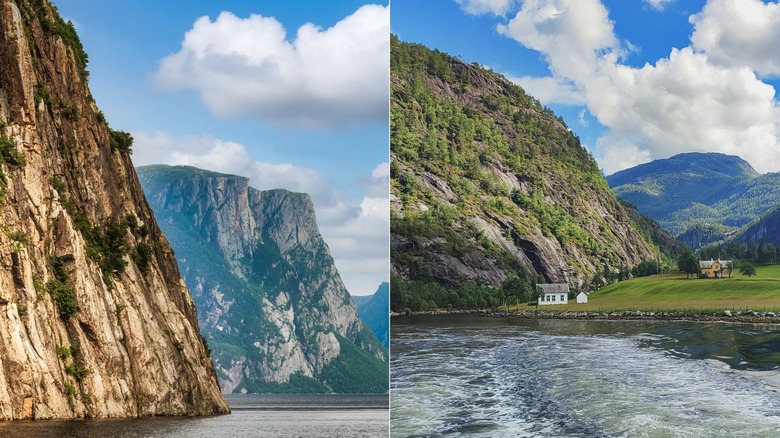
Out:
{"x": 673, "y": 292}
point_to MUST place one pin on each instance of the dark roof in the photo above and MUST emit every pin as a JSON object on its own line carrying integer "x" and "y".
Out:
{"x": 556, "y": 288}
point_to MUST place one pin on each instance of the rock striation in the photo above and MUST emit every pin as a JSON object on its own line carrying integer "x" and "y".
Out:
{"x": 270, "y": 300}
{"x": 95, "y": 320}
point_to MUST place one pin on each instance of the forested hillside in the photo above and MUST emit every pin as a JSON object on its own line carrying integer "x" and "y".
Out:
{"x": 699, "y": 197}
{"x": 757, "y": 242}
{"x": 491, "y": 192}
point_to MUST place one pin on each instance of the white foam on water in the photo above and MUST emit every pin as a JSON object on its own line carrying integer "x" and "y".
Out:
{"x": 631, "y": 391}
{"x": 520, "y": 382}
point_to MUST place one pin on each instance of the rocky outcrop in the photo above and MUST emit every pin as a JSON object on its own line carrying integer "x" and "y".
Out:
{"x": 95, "y": 320}
{"x": 272, "y": 304}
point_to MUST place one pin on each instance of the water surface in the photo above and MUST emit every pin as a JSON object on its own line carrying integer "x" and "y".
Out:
{"x": 253, "y": 416}
{"x": 478, "y": 376}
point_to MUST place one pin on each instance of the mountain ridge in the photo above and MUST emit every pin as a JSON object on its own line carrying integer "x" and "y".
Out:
{"x": 699, "y": 197}
{"x": 374, "y": 310}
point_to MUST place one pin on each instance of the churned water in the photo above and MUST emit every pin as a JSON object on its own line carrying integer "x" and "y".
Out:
{"x": 478, "y": 376}
{"x": 253, "y": 416}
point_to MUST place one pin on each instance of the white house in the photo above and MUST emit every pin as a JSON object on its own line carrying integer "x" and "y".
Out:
{"x": 553, "y": 293}
{"x": 582, "y": 298}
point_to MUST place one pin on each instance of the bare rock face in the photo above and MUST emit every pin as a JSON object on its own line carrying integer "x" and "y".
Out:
{"x": 95, "y": 320}
{"x": 272, "y": 304}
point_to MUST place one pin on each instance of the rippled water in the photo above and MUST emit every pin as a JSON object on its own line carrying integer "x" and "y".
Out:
{"x": 253, "y": 416}
{"x": 469, "y": 375}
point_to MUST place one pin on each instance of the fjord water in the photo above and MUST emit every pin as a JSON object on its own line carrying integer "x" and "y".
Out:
{"x": 494, "y": 377}
{"x": 254, "y": 415}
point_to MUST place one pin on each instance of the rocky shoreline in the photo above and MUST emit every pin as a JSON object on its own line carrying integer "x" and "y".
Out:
{"x": 749, "y": 316}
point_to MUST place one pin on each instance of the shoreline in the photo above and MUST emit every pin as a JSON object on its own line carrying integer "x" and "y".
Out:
{"x": 749, "y": 317}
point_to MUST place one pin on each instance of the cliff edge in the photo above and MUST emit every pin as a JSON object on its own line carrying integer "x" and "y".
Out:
{"x": 95, "y": 320}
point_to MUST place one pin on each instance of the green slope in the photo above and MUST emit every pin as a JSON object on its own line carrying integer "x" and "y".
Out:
{"x": 486, "y": 185}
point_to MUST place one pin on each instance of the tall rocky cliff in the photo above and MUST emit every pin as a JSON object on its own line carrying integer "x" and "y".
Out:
{"x": 487, "y": 184}
{"x": 271, "y": 302}
{"x": 95, "y": 320}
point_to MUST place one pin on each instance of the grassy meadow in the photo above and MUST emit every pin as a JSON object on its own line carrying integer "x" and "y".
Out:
{"x": 673, "y": 292}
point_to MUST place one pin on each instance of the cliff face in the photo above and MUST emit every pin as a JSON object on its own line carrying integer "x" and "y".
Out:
{"x": 486, "y": 184}
{"x": 95, "y": 320}
{"x": 271, "y": 302}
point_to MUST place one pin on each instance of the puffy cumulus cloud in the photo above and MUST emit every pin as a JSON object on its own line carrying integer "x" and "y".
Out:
{"x": 685, "y": 102}
{"x": 199, "y": 151}
{"x": 613, "y": 154}
{"x": 740, "y": 33}
{"x": 364, "y": 237}
{"x": 357, "y": 233}
{"x": 324, "y": 78}
{"x": 658, "y": 5}
{"x": 481, "y": 7}
{"x": 571, "y": 34}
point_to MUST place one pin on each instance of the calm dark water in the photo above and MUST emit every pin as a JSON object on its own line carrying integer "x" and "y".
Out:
{"x": 253, "y": 416}
{"x": 477, "y": 376}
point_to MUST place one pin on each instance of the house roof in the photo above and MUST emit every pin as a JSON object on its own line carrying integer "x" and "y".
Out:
{"x": 556, "y": 288}
{"x": 707, "y": 264}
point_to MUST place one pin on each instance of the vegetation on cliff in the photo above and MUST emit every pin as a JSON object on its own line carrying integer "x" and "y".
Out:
{"x": 487, "y": 184}
{"x": 90, "y": 330}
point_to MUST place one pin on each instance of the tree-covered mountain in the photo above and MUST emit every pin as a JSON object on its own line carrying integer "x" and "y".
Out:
{"x": 757, "y": 242}
{"x": 698, "y": 197}
{"x": 490, "y": 191}
{"x": 270, "y": 301}
{"x": 374, "y": 310}
{"x": 764, "y": 230}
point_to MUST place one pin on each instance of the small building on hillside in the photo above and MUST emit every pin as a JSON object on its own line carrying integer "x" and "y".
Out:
{"x": 715, "y": 268}
{"x": 582, "y": 298}
{"x": 557, "y": 293}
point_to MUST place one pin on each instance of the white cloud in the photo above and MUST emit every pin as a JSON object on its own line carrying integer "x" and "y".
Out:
{"x": 581, "y": 118}
{"x": 364, "y": 238}
{"x": 613, "y": 155}
{"x": 658, "y": 5}
{"x": 481, "y": 7}
{"x": 684, "y": 102}
{"x": 324, "y": 78}
{"x": 740, "y": 33}
{"x": 356, "y": 233}
{"x": 571, "y": 34}
{"x": 550, "y": 89}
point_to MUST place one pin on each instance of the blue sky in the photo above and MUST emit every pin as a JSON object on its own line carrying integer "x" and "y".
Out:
{"x": 636, "y": 80}
{"x": 290, "y": 94}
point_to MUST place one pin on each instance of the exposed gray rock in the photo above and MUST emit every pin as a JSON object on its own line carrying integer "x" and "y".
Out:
{"x": 270, "y": 299}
